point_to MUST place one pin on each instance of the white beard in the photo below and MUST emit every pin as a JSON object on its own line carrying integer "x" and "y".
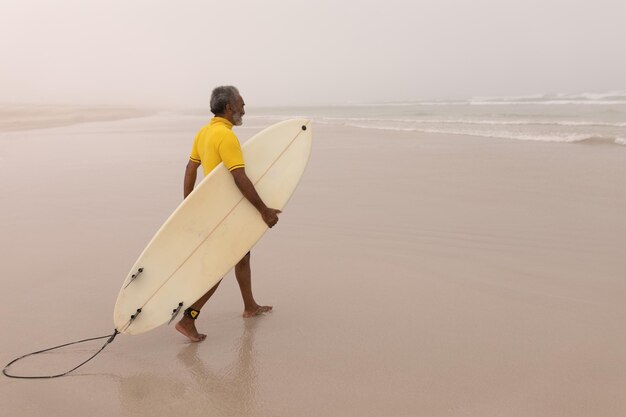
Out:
{"x": 237, "y": 119}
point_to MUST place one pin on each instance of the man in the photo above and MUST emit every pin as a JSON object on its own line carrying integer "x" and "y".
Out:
{"x": 216, "y": 143}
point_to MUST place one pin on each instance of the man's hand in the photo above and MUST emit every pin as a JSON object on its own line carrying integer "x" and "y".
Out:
{"x": 270, "y": 216}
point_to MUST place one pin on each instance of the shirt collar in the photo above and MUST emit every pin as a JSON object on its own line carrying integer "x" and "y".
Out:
{"x": 223, "y": 121}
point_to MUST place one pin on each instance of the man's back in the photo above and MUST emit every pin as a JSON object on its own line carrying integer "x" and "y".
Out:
{"x": 216, "y": 143}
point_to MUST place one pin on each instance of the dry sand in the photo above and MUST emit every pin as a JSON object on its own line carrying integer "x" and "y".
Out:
{"x": 411, "y": 274}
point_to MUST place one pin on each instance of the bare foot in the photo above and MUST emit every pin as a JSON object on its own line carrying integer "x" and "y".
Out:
{"x": 256, "y": 311}
{"x": 188, "y": 328}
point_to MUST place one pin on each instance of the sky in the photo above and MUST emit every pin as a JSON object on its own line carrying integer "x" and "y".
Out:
{"x": 172, "y": 53}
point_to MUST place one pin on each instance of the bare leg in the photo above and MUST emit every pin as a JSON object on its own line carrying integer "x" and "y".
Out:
{"x": 187, "y": 325}
{"x": 244, "y": 279}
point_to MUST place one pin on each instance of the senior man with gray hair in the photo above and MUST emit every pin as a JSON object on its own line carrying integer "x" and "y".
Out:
{"x": 216, "y": 143}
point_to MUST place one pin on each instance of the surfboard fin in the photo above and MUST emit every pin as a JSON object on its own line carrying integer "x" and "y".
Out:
{"x": 134, "y": 276}
{"x": 175, "y": 312}
{"x": 134, "y": 316}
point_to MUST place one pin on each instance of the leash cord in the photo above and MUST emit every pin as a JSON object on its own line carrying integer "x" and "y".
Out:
{"x": 110, "y": 337}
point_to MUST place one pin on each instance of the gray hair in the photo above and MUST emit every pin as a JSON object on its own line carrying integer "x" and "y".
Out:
{"x": 221, "y": 96}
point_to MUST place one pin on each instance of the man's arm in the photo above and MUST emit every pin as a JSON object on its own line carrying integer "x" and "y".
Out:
{"x": 191, "y": 173}
{"x": 270, "y": 215}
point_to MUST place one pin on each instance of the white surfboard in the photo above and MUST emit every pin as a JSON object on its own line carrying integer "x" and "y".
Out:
{"x": 211, "y": 230}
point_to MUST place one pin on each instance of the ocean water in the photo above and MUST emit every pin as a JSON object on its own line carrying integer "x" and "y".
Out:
{"x": 592, "y": 117}
{"x": 548, "y": 118}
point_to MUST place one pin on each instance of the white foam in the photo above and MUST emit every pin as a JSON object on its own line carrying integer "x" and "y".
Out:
{"x": 278, "y": 117}
{"x": 569, "y": 138}
{"x": 611, "y": 97}
{"x": 620, "y": 141}
{"x": 603, "y": 96}
{"x": 342, "y": 120}
{"x": 616, "y": 97}
{"x": 414, "y": 103}
{"x": 531, "y": 97}
{"x": 550, "y": 103}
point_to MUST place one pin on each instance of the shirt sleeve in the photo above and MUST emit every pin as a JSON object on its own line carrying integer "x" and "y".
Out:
{"x": 195, "y": 153}
{"x": 230, "y": 152}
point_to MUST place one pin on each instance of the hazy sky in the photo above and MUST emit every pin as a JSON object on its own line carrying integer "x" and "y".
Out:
{"x": 171, "y": 53}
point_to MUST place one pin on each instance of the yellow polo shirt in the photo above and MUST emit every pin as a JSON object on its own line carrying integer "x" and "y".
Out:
{"x": 216, "y": 142}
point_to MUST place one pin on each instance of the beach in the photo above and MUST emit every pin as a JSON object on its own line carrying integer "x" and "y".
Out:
{"x": 27, "y": 117}
{"x": 412, "y": 274}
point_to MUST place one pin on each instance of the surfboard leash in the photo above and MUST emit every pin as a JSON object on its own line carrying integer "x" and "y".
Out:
{"x": 110, "y": 338}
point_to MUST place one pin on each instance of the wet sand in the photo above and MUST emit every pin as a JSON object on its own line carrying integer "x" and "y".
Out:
{"x": 28, "y": 117}
{"x": 411, "y": 275}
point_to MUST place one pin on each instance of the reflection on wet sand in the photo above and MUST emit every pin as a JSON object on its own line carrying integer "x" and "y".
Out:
{"x": 229, "y": 390}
